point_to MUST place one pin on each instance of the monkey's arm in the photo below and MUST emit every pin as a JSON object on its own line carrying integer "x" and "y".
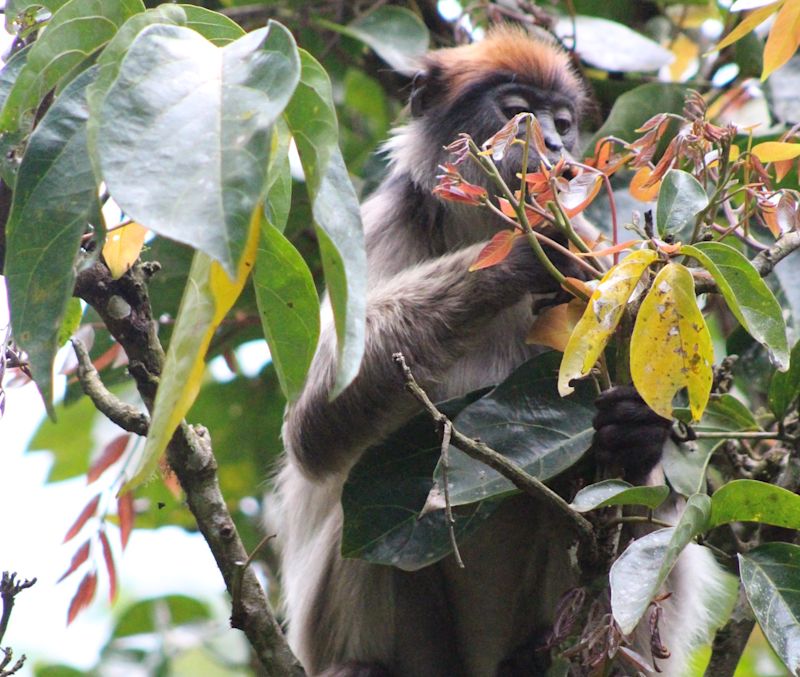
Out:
{"x": 432, "y": 313}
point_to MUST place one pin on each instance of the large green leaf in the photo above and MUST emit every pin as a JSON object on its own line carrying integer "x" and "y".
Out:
{"x": 754, "y": 501}
{"x": 312, "y": 119}
{"x": 771, "y": 578}
{"x": 288, "y": 306}
{"x": 616, "y": 492}
{"x": 747, "y": 295}
{"x": 680, "y": 199}
{"x": 12, "y": 143}
{"x": 685, "y": 465}
{"x": 785, "y": 386}
{"x": 76, "y": 30}
{"x": 150, "y": 615}
{"x": 640, "y": 571}
{"x": 525, "y": 419}
{"x": 184, "y": 132}
{"x": 397, "y": 35}
{"x": 386, "y": 491}
{"x": 55, "y": 198}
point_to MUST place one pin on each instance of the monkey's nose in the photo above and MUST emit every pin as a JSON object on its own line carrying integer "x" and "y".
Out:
{"x": 553, "y": 143}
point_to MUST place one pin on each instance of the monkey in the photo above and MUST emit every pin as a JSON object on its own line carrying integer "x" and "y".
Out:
{"x": 459, "y": 331}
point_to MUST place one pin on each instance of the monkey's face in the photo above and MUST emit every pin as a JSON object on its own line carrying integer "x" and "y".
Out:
{"x": 486, "y": 106}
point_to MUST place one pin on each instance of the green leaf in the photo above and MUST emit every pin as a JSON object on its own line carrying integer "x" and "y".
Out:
{"x": 685, "y": 464}
{"x": 680, "y": 199}
{"x": 216, "y": 107}
{"x": 785, "y": 386}
{"x": 670, "y": 345}
{"x": 524, "y": 419}
{"x": 397, "y": 35}
{"x": 754, "y": 501}
{"x": 76, "y": 30}
{"x": 71, "y": 321}
{"x": 747, "y": 295}
{"x": 215, "y": 27}
{"x": 632, "y": 109}
{"x": 601, "y": 317}
{"x": 616, "y": 492}
{"x": 771, "y": 578}
{"x": 12, "y": 144}
{"x": 54, "y": 199}
{"x": 150, "y": 615}
{"x": 726, "y": 413}
{"x": 289, "y": 308}
{"x": 279, "y": 177}
{"x": 13, "y": 9}
{"x": 386, "y": 491}
{"x": 639, "y": 572}
{"x": 312, "y": 119}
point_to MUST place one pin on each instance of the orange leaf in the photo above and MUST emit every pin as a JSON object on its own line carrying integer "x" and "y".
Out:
{"x": 83, "y": 596}
{"x": 80, "y": 556}
{"x": 782, "y": 168}
{"x": 122, "y": 248}
{"x": 580, "y": 192}
{"x": 580, "y": 284}
{"x": 496, "y": 251}
{"x": 534, "y": 219}
{"x": 783, "y": 38}
{"x": 622, "y": 246}
{"x": 86, "y": 513}
{"x": 110, "y": 454}
{"x": 126, "y": 516}
{"x": 554, "y": 325}
{"x": 110, "y": 568}
{"x": 637, "y": 188}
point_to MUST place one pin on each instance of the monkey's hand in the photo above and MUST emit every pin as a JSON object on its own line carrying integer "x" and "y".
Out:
{"x": 528, "y": 271}
{"x": 628, "y": 433}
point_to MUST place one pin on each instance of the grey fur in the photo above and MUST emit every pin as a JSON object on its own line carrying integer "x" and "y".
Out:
{"x": 459, "y": 331}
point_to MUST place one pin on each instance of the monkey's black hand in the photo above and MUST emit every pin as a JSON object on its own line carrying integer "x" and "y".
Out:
{"x": 526, "y": 269}
{"x": 628, "y": 433}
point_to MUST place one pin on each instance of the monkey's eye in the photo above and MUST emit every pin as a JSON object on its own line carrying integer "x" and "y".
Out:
{"x": 563, "y": 123}
{"x": 514, "y": 105}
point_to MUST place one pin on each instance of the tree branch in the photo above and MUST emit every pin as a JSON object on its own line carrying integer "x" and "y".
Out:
{"x": 506, "y": 467}
{"x": 9, "y": 589}
{"x": 191, "y": 457}
{"x": 125, "y": 415}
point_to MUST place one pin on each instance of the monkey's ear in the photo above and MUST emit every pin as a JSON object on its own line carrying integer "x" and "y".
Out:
{"x": 426, "y": 90}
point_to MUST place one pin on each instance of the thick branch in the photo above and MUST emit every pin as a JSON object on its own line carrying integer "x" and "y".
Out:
{"x": 124, "y": 307}
{"x": 505, "y": 466}
{"x": 729, "y": 642}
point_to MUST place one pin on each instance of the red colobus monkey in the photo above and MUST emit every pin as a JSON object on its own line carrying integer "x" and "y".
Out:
{"x": 459, "y": 331}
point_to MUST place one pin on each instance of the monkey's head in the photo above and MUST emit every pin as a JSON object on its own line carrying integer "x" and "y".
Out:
{"x": 476, "y": 89}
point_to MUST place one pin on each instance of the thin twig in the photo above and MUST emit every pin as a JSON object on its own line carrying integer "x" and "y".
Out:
{"x": 447, "y": 433}
{"x": 506, "y": 467}
{"x": 9, "y": 589}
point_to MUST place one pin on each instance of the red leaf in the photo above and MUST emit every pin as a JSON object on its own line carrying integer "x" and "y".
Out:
{"x": 83, "y": 596}
{"x": 112, "y": 571}
{"x": 112, "y": 452}
{"x": 460, "y": 191}
{"x": 126, "y": 516}
{"x": 496, "y": 251}
{"x": 107, "y": 357}
{"x": 86, "y": 513}
{"x": 78, "y": 558}
{"x": 534, "y": 218}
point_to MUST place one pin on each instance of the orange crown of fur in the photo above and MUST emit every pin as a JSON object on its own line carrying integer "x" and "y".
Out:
{"x": 539, "y": 61}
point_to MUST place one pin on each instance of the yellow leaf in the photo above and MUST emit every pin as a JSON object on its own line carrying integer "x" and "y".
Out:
{"x": 775, "y": 151}
{"x": 670, "y": 345}
{"x": 751, "y": 21}
{"x": 554, "y": 325}
{"x": 208, "y": 297}
{"x": 686, "y": 53}
{"x": 601, "y": 317}
{"x": 122, "y": 248}
{"x": 782, "y": 39}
